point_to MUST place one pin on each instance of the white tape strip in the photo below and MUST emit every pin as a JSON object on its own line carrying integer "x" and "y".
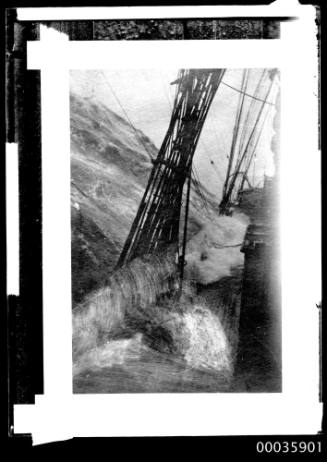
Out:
{"x": 12, "y": 212}
{"x": 284, "y": 8}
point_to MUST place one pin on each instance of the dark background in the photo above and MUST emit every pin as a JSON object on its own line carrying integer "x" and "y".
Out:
{"x": 23, "y": 318}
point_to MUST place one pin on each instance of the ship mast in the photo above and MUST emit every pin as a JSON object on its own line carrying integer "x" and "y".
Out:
{"x": 244, "y": 142}
{"x": 157, "y": 222}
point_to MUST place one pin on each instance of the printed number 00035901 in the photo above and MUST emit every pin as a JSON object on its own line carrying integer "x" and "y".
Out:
{"x": 288, "y": 446}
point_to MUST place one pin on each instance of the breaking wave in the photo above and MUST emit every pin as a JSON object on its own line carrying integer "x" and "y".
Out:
{"x": 137, "y": 313}
{"x": 102, "y": 314}
{"x": 196, "y": 336}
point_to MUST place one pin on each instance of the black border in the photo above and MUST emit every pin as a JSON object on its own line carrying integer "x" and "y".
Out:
{"x": 215, "y": 445}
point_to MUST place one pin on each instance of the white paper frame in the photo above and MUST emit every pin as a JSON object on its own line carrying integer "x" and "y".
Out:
{"x": 58, "y": 414}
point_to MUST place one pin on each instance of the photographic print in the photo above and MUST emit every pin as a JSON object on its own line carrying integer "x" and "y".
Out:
{"x": 174, "y": 184}
{"x": 157, "y": 159}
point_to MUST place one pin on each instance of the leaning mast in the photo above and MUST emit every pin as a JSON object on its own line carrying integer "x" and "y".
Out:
{"x": 239, "y": 164}
{"x": 156, "y": 225}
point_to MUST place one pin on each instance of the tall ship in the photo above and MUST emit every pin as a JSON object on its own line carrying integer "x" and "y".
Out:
{"x": 153, "y": 286}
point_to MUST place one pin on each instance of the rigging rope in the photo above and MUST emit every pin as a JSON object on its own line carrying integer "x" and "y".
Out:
{"x": 196, "y": 183}
{"x": 244, "y": 151}
{"x": 205, "y": 149}
{"x": 195, "y": 180}
{"x": 126, "y": 115}
{"x": 248, "y": 94}
{"x": 236, "y": 130}
{"x": 253, "y": 132}
{"x": 250, "y": 112}
{"x": 255, "y": 144}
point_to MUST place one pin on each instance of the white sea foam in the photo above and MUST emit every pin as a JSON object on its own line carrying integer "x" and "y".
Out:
{"x": 209, "y": 347}
{"x": 131, "y": 288}
{"x": 111, "y": 353}
{"x": 215, "y": 250}
{"x": 188, "y": 327}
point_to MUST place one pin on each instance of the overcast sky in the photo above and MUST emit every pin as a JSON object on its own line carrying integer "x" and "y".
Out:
{"x": 147, "y": 98}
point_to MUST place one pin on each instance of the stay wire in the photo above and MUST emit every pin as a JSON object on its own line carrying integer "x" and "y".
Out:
{"x": 196, "y": 183}
{"x": 126, "y": 115}
{"x": 248, "y": 94}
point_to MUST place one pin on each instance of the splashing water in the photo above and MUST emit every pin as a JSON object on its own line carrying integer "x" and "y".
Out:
{"x": 209, "y": 347}
{"x": 135, "y": 313}
{"x": 215, "y": 250}
{"x": 196, "y": 334}
{"x": 135, "y": 286}
{"x": 111, "y": 353}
